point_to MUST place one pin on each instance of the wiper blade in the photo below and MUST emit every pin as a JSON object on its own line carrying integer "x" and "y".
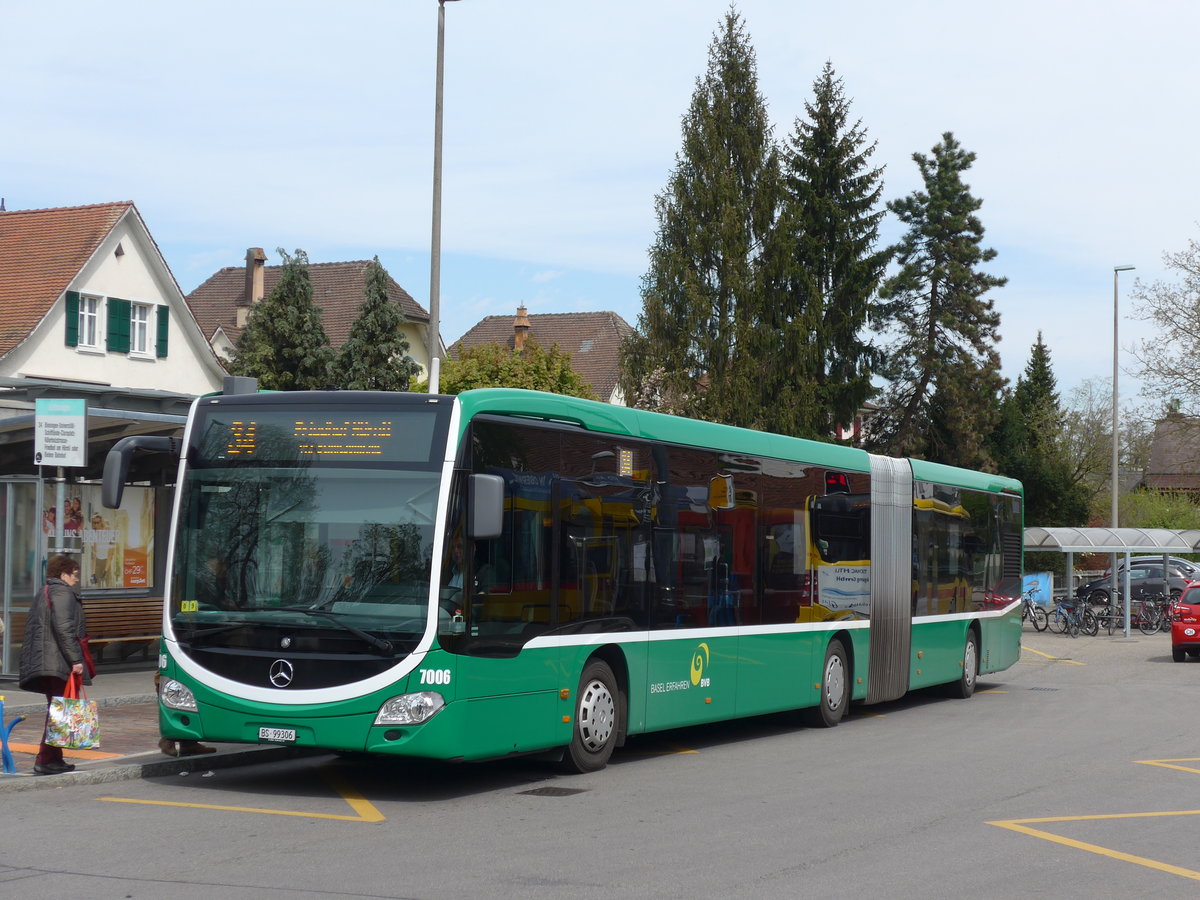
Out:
{"x": 216, "y": 629}
{"x": 380, "y": 644}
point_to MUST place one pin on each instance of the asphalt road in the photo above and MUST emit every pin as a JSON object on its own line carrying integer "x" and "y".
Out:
{"x": 926, "y": 797}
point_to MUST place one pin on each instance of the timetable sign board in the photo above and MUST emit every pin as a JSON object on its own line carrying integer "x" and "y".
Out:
{"x": 60, "y": 433}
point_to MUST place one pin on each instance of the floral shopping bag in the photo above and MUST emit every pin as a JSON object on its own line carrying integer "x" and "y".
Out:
{"x": 74, "y": 721}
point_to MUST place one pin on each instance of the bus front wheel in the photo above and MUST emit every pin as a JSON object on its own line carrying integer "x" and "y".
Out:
{"x": 835, "y": 688}
{"x": 597, "y": 711}
{"x": 965, "y": 686}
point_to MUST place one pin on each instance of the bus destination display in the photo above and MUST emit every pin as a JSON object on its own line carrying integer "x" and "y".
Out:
{"x": 345, "y": 439}
{"x": 281, "y": 435}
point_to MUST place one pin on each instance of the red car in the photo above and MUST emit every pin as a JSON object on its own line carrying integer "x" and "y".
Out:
{"x": 1185, "y": 626}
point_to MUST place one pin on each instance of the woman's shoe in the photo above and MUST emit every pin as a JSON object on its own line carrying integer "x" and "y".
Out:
{"x": 53, "y": 768}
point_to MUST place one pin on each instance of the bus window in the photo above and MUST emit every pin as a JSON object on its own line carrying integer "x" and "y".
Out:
{"x": 841, "y": 525}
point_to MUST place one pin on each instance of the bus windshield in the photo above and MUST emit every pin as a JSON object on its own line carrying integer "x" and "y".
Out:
{"x": 333, "y": 552}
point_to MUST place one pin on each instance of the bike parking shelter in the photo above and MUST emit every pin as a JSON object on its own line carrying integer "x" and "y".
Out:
{"x": 1147, "y": 541}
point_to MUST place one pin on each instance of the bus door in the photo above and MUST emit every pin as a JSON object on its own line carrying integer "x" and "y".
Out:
{"x": 602, "y": 559}
{"x": 604, "y": 572}
{"x": 693, "y": 659}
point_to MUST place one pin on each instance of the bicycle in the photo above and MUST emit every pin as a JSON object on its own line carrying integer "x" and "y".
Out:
{"x": 1111, "y": 617}
{"x": 1156, "y": 613}
{"x": 1034, "y": 612}
{"x": 1073, "y": 617}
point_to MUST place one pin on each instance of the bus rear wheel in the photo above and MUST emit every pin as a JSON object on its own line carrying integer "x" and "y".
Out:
{"x": 835, "y": 688}
{"x": 597, "y": 713}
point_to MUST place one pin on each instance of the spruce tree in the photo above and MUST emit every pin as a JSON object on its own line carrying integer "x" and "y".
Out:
{"x": 375, "y": 355}
{"x": 703, "y": 293}
{"x": 823, "y": 255}
{"x": 1030, "y": 444}
{"x": 942, "y": 366}
{"x": 284, "y": 344}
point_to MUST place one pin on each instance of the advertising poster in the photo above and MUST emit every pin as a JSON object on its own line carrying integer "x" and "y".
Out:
{"x": 115, "y": 546}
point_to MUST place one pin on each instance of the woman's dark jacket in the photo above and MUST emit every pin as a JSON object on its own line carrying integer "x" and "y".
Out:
{"x": 51, "y": 645}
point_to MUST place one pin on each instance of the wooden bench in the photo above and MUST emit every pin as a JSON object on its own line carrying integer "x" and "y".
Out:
{"x": 123, "y": 624}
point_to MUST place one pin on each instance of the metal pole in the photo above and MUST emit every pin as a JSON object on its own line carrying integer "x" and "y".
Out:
{"x": 1117, "y": 270}
{"x": 1115, "y": 501}
{"x": 435, "y": 255}
{"x": 1115, "y": 461}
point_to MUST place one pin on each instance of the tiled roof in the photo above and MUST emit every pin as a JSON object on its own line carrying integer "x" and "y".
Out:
{"x": 337, "y": 290}
{"x": 593, "y": 340}
{"x": 41, "y": 251}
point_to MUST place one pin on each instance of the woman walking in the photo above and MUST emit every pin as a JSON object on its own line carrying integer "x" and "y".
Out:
{"x": 51, "y": 651}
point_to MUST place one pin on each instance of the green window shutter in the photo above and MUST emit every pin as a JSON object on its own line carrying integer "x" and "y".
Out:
{"x": 164, "y": 319}
{"x": 118, "y": 325}
{"x": 72, "y": 318}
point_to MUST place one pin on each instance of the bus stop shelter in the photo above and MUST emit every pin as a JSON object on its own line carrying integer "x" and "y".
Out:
{"x": 1147, "y": 541}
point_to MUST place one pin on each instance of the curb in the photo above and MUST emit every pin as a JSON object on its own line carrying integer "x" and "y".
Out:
{"x": 39, "y": 709}
{"x": 239, "y": 755}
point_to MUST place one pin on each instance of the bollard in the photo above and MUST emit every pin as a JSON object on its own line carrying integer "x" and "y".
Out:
{"x": 6, "y": 758}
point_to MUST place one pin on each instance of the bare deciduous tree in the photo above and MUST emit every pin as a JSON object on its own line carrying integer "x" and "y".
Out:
{"x": 1167, "y": 361}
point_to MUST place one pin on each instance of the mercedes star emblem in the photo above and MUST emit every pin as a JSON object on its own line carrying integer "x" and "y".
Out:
{"x": 281, "y": 673}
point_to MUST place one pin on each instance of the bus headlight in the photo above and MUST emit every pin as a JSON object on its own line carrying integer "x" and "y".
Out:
{"x": 410, "y": 709}
{"x": 177, "y": 696}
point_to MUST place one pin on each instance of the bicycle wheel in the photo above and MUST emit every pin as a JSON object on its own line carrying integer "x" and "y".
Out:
{"x": 1114, "y": 620}
{"x": 1039, "y": 618}
{"x": 1088, "y": 623}
{"x": 1073, "y": 624}
{"x": 1057, "y": 620}
{"x": 1149, "y": 619}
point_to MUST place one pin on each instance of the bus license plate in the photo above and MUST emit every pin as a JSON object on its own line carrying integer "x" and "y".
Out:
{"x": 277, "y": 735}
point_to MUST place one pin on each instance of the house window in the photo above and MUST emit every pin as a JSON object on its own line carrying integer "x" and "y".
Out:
{"x": 89, "y": 322}
{"x": 139, "y": 329}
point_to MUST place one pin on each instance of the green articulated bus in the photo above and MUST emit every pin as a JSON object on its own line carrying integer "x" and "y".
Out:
{"x": 505, "y": 571}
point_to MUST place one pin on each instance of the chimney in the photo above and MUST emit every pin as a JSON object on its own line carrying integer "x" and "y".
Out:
{"x": 255, "y": 260}
{"x": 520, "y": 328}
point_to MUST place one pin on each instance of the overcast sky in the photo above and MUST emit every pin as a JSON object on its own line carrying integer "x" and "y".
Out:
{"x": 310, "y": 125}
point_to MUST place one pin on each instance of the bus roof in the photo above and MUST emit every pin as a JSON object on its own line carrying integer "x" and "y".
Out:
{"x": 637, "y": 423}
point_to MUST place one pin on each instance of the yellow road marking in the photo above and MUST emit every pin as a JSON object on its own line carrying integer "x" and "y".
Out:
{"x": 1021, "y": 826}
{"x": 1073, "y": 662}
{"x": 674, "y": 751}
{"x": 1166, "y": 764}
{"x": 364, "y": 810}
{"x": 993, "y": 691}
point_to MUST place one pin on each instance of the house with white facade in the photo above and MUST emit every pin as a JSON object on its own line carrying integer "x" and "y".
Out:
{"x": 90, "y": 315}
{"x": 86, "y": 296}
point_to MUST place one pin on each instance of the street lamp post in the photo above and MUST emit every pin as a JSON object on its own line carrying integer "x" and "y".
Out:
{"x": 435, "y": 250}
{"x": 1117, "y": 270}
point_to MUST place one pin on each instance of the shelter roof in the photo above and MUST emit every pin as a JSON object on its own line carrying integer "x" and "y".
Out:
{"x": 1113, "y": 540}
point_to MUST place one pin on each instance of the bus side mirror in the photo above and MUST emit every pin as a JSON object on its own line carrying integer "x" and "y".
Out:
{"x": 485, "y": 515}
{"x": 116, "y": 464}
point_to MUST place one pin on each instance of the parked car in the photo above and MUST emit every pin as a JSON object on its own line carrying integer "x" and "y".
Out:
{"x": 1185, "y": 567}
{"x": 1185, "y": 627}
{"x": 1143, "y": 581}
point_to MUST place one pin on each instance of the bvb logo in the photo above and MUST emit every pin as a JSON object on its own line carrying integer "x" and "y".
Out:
{"x": 699, "y": 661}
